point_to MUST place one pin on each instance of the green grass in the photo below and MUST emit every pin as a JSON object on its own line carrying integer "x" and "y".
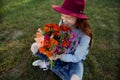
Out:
{"x": 19, "y": 20}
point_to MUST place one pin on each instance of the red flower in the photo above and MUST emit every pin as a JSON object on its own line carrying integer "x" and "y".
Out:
{"x": 65, "y": 28}
{"x": 56, "y": 27}
{"x": 66, "y": 43}
{"x": 56, "y": 33}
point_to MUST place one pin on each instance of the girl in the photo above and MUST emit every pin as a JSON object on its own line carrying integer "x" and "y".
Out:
{"x": 70, "y": 66}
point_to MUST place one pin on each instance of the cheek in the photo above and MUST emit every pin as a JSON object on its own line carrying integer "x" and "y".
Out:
{"x": 72, "y": 22}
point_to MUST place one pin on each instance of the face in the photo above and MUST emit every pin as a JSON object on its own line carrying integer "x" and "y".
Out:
{"x": 68, "y": 20}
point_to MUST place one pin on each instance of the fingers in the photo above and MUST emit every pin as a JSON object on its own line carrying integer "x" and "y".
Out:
{"x": 55, "y": 57}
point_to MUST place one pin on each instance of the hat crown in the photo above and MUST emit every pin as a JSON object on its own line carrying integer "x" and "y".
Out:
{"x": 73, "y": 8}
{"x": 76, "y": 6}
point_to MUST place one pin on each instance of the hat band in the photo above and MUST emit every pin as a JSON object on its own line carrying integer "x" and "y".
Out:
{"x": 79, "y": 12}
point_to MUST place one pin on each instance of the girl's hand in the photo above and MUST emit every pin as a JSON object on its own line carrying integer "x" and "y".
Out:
{"x": 55, "y": 57}
{"x": 58, "y": 56}
{"x": 34, "y": 48}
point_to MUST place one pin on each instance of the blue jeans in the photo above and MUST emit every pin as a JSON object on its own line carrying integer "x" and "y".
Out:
{"x": 65, "y": 69}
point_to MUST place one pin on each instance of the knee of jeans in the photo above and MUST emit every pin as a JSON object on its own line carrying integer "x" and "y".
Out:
{"x": 75, "y": 77}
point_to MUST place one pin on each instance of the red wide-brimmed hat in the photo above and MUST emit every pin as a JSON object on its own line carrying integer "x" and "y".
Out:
{"x": 72, "y": 7}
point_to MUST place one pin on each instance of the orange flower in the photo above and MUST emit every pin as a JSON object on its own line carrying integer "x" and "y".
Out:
{"x": 49, "y": 25}
{"x": 53, "y": 41}
{"x": 48, "y": 54}
{"x": 66, "y": 43}
{"x": 42, "y": 50}
{"x": 56, "y": 27}
{"x": 46, "y": 29}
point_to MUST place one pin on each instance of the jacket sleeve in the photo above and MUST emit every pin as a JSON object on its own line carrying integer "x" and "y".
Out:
{"x": 80, "y": 53}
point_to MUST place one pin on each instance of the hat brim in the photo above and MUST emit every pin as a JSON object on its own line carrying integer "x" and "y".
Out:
{"x": 67, "y": 12}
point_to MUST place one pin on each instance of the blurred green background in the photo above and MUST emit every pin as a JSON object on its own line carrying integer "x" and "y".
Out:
{"x": 19, "y": 20}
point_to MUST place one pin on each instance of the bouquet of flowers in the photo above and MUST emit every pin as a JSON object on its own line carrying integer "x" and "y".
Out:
{"x": 54, "y": 40}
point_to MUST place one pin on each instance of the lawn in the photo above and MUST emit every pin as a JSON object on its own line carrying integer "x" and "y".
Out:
{"x": 19, "y": 20}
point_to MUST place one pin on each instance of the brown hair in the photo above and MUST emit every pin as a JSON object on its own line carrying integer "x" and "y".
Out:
{"x": 83, "y": 25}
